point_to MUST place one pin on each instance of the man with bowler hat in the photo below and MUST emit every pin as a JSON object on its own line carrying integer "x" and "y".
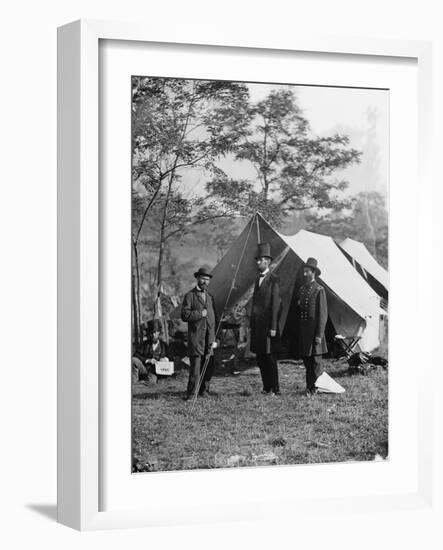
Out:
{"x": 313, "y": 314}
{"x": 266, "y": 304}
{"x": 198, "y": 310}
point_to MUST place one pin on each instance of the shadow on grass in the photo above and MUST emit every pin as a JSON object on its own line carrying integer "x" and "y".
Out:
{"x": 229, "y": 368}
{"x": 158, "y": 393}
{"x": 339, "y": 373}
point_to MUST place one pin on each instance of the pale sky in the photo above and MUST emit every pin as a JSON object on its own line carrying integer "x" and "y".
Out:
{"x": 362, "y": 114}
{"x": 345, "y": 110}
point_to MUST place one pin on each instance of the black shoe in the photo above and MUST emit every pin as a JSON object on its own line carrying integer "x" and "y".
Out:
{"x": 264, "y": 392}
{"x": 278, "y": 392}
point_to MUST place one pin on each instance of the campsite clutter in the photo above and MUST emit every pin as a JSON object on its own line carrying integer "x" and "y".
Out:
{"x": 364, "y": 363}
{"x": 354, "y": 290}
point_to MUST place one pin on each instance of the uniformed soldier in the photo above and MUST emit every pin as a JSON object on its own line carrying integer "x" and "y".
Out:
{"x": 266, "y": 304}
{"x": 313, "y": 314}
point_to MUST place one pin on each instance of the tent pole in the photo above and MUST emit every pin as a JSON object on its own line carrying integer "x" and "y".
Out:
{"x": 205, "y": 366}
{"x": 258, "y": 229}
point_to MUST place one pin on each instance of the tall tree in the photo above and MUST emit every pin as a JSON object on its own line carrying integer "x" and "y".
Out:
{"x": 178, "y": 125}
{"x": 295, "y": 169}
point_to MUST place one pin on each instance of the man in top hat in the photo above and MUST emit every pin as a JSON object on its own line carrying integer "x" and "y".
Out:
{"x": 198, "y": 310}
{"x": 152, "y": 349}
{"x": 266, "y": 304}
{"x": 313, "y": 314}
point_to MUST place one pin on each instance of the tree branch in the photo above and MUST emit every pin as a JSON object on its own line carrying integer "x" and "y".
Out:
{"x": 199, "y": 222}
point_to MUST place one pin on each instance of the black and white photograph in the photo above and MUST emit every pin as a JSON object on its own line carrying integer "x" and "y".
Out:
{"x": 222, "y": 260}
{"x": 259, "y": 274}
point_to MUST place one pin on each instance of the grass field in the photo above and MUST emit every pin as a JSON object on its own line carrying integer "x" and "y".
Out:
{"x": 238, "y": 426}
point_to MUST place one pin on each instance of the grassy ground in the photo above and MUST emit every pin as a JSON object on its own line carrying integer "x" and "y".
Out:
{"x": 237, "y": 426}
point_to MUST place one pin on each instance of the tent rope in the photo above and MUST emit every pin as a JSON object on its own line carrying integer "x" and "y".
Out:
{"x": 211, "y": 352}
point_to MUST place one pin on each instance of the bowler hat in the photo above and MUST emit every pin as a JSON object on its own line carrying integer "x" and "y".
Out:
{"x": 203, "y": 272}
{"x": 263, "y": 251}
{"x": 313, "y": 264}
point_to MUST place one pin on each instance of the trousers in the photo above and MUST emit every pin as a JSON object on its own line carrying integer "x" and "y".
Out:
{"x": 139, "y": 370}
{"x": 314, "y": 369}
{"x": 269, "y": 372}
{"x": 196, "y": 365}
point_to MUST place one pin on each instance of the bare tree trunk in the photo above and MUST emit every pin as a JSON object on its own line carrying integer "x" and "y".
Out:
{"x": 265, "y": 159}
{"x": 137, "y": 274}
{"x": 162, "y": 233}
{"x": 134, "y": 313}
{"x": 136, "y": 304}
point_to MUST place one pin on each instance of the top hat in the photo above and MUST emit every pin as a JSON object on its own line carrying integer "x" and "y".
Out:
{"x": 263, "y": 251}
{"x": 203, "y": 272}
{"x": 154, "y": 325}
{"x": 313, "y": 264}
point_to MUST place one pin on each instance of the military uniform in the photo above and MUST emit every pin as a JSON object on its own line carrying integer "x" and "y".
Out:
{"x": 313, "y": 314}
{"x": 201, "y": 335}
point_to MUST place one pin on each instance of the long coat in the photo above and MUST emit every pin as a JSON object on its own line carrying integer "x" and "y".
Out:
{"x": 312, "y": 317}
{"x": 265, "y": 313}
{"x": 201, "y": 330}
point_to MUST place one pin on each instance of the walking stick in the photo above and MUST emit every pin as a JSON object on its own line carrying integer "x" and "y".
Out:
{"x": 211, "y": 352}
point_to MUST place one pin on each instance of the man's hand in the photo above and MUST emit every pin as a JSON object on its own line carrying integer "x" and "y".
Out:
{"x": 214, "y": 345}
{"x": 318, "y": 339}
{"x": 204, "y": 312}
{"x": 272, "y": 333}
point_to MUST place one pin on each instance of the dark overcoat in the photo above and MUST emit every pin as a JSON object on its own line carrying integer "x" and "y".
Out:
{"x": 312, "y": 317}
{"x": 265, "y": 314}
{"x": 201, "y": 330}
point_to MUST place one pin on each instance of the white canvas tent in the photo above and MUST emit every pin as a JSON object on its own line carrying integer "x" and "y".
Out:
{"x": 354, "y": 308}
{"x": 367, "y": 266}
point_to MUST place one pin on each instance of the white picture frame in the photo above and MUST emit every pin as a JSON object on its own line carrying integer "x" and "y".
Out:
{"x": 80, "y": 395}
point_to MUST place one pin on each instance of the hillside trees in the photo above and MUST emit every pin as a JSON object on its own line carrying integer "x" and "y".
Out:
{"x": 366, "y": 221}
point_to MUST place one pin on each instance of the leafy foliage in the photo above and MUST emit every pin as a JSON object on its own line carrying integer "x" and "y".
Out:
{"x": 295, "y": 169}
{"x": 177, "y": 125}
{"x": 182, "y": 127}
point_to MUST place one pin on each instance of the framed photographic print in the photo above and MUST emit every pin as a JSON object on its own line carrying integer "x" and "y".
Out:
{"x": 231, "y": 276}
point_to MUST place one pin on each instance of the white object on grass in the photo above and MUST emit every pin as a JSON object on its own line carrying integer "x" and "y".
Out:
{"x": 325, "y": 384}
{"x": 164, "y": 367}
